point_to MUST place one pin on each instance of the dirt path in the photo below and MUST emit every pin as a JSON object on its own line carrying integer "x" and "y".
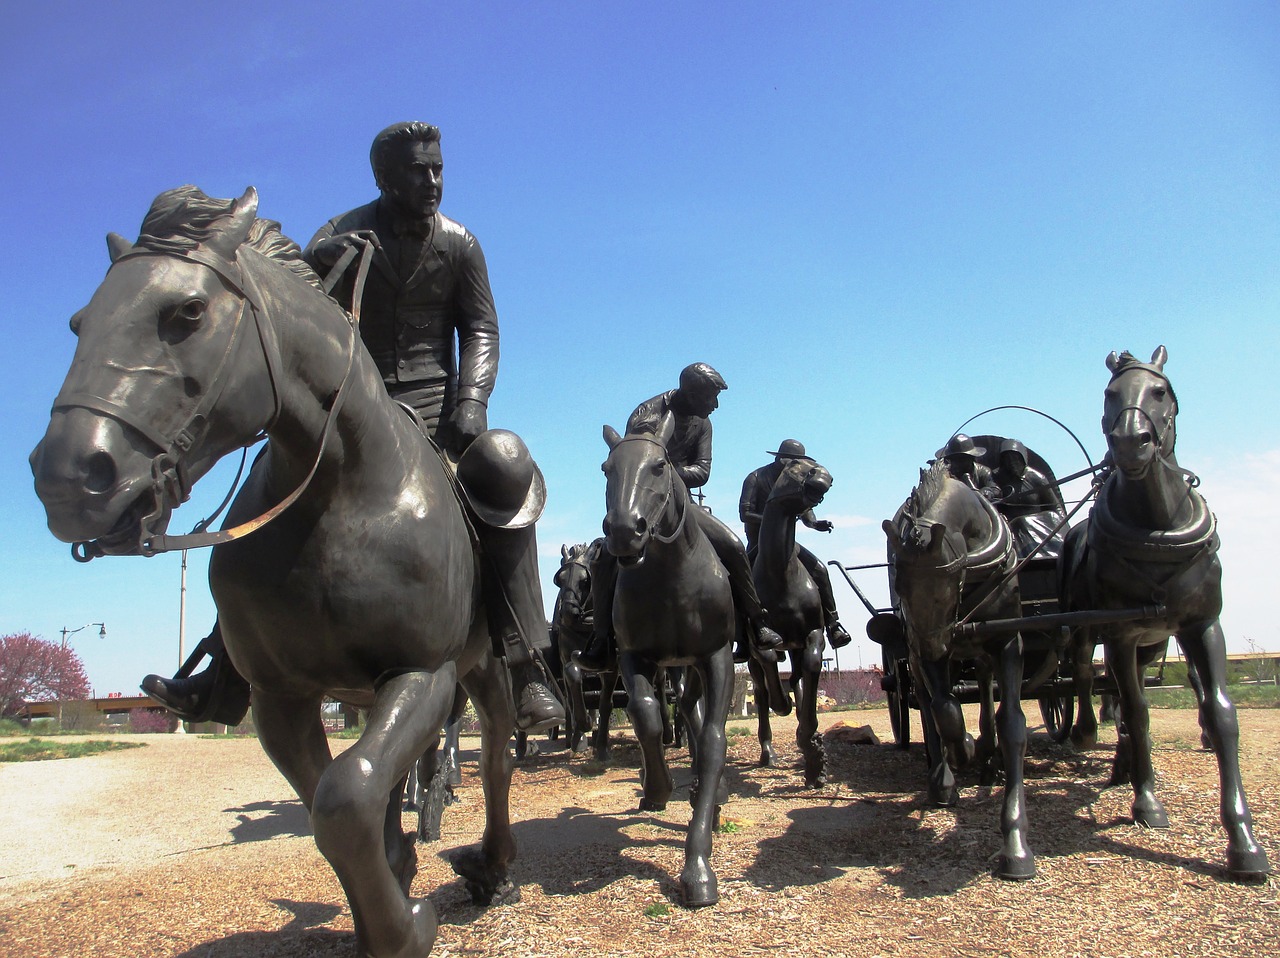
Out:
{"x": 196, "y": 847}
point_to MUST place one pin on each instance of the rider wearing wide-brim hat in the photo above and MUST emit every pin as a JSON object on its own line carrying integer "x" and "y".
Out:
{"x": 755, "y": 493}
{"x": 961, "y": 454}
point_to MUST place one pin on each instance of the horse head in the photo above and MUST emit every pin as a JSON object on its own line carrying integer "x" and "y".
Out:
{"x": 929, "y": 555}
{"x": 643, "y": 491}
{"x": 801, "y": 485}
{"x": 1138, "y": 412}
{"x": 573, "y": 578}
{"x": 160, "y": 342}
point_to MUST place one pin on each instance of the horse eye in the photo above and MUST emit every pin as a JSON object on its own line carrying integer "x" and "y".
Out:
{"x": 1159, "y": 393}
{"x": 660, "y": 467}
{"x": 191, "y": 311}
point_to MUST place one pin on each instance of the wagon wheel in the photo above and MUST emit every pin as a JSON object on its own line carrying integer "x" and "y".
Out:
{"x": 1057, "y": 712}
{"x": 897, "y": 682}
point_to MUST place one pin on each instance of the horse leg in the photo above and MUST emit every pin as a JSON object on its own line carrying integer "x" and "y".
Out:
{"x": 764, "y": 730}
{"x": 292, "y": 735}
{"x": 578, "y": 721}
{"x": 638, "y": 675}
{"x": 943, "y": 722}
{"x": 350, "y": 812}
{"x": 484, "y": 869}
{"x": 808, "y": 664}
{"x": 1205, "y": 649}
{"x": 668, "y": 707}
{"x": 1084, "y": 732}
{"x": 604, "y": 715}
{"x": 1197, "y": 687}
{"x": 1122, "y": 661}
{"x": 985, "y": 750}
{"x": 1016, "y": 860}
{"x": 698, "y": 886}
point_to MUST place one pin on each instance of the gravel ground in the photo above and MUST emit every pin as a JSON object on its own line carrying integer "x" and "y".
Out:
{"x": 196, "y": 847}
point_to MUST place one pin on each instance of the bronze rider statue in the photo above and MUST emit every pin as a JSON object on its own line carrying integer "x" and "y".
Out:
{"x": 755, "y": 493}
{"x": 689, "y": 451}
{"x": 427, "y": 294}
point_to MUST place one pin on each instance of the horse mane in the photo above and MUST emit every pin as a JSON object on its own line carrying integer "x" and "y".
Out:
{"x": 181, "y": 219}
{"x": 926, "y": 493}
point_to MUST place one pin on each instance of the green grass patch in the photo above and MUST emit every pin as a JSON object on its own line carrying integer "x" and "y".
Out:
{"x": 39, "y": 750}
{"x": 658, "y": 909}
{"x": 728, "y": 826}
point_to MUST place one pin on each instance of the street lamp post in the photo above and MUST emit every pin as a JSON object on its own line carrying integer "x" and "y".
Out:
{"x": 67, "y": 633}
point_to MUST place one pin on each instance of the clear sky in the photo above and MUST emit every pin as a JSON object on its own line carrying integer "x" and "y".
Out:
{"x": 876, "y": 219}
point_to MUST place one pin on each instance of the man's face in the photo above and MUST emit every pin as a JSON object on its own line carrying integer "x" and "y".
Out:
{"x": 960, "y": 464}
{"x": 702, "y": 400}
{"x": 413, "y": 178}
{"x": 1013, "y": 463}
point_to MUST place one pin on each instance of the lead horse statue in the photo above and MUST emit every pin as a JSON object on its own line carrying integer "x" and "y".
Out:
{"x": 672, "y": 607}
{"x": 953, "y": 554}
{"x": 1151, "y": 538}
{"x": 208, "y": 332}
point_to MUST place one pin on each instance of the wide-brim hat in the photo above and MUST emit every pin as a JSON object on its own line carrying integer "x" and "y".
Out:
{"x": 961, "y": 445}
{"x": 501, "y": 482}
{"x": 790, "y": 449}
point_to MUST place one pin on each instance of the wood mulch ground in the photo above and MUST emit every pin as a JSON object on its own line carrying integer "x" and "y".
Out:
{"x": 195, "y": 847}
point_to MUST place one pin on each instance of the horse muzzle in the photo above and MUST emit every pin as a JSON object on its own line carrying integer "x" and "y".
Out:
{"x": 626, "y": 538}
{"x": 95, "y": 486}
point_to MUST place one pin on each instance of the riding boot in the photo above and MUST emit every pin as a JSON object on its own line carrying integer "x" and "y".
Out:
{"x": 513, "y": 601}
{"x": 733, "y": 556}
{"x": 216, "y": 694}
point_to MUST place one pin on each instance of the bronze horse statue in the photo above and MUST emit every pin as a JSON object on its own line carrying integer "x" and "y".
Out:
{"x": 208, "y": 332}
{"x": 571, "y": 622}
{"x": 795, "y": 612}
{"x": 672, "y": 607}
{"x": 953, "y": 554}
{"x": 1151, "y": 539}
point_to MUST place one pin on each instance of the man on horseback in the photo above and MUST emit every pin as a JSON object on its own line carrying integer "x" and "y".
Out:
{"x": 1025, "y": 496}
{"x": 690, "y": 405}
{"x": 961, "y": 455}
{"x": 426, "y": 294}
{"x": 755, "y": 493}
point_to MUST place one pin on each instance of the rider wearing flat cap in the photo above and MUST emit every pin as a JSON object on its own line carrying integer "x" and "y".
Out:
{"x": 690, "y": 405}
{"x": 755, "y": 493}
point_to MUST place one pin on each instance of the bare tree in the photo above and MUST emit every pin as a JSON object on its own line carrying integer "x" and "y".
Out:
{"x": 33, "y": 669}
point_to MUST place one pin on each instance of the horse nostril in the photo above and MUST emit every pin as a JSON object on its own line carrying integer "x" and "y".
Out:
{"x": 99, "y": 472}
{"x": 642, "y": 525}
{"x": 1144, "y": 438}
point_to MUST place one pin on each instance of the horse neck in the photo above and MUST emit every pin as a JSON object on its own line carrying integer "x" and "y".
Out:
{"x": 1159, "y": 499}
{"x": 678, "y": 551}
{"x": 777, "y": 543}
{"x": 314, "y": 340}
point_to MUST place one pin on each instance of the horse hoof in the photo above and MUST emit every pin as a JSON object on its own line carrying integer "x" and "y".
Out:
{"x": 816, "y": 781}
{"x": 944, "y": 797}
{"x": 1153, "y": 816}
{"x": 701, "y": 892}
{"x": 486, "y": 884}
{"x": 1084, "y": 740}
{"x": 1248, "y": 865}
{"x": 768, "y": 758}
{"x": 1021, "y": 868}
{"x": 652, "y": 805}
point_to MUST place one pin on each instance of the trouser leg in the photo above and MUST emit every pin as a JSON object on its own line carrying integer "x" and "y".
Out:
{"x": 733, "y": 555}
{"x": 599, "y": 653}
{"x": 822, "y": 579}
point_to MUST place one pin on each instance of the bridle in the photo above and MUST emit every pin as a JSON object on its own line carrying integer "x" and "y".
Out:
{"x": 170, "y": 471}
{"x": 1160, "y": 429}
{"x": 671, "y": 488}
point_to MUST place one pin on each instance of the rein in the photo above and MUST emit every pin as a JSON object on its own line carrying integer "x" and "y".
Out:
{"x": 169, "y": 472}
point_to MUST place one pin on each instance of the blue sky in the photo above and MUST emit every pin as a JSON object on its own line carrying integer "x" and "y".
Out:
{"x": 875, "y": 219}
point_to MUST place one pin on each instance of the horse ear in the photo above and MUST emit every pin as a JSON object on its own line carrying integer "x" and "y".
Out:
{"x": 243, "y": 213}
{"x": 891, "y": 533}
{"x": 611, "y": 436}
{"x": 937, "y": 533}
{"x": 564, "y": 552}
{"x": 117, "y": 246}
{"x": 1160, "y": 357}
{"x": 1113, "y": 361}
